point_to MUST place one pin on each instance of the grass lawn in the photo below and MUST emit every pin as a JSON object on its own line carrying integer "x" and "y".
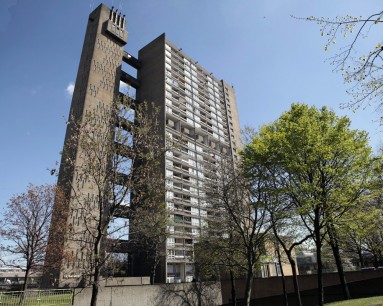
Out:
{"x": 371, "y": 301}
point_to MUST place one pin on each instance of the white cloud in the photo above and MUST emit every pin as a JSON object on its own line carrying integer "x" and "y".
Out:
{"x": 70, "y": 88}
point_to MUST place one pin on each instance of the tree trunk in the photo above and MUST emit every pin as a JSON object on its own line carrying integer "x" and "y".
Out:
{"x": 249, "y": 285}
{"x": 25, "y": 285}
{"x": 233, "y": 291}
{"x": 360, "y": 257}
{"x": 154, "y": 266}
{"x": 283, "y": 277}
{"x": 338, "y": 260}
{"x": 376, "y": 262}
{"x": 95, "y": 287}
{"x": 199, "y": 294}
{"x": 295, "y": 279}
{"x": 318, "y": 245}
{"x": 380, "y": 259}
{"x": 96, "y": 276}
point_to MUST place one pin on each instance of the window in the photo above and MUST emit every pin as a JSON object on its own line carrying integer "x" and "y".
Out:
{"x": 169, "y": 195}
{"x": 126, "y": 112}
{"x": 171, "y": 254}
{"x": 126, "y": 199}
{"x": 178, "y": 219}
{"x": 193, "y": 191}
{"x": 169, "y": 183}
{"x": 194, "y": 211}
{"x": 195, "y": 221}
{"x": 121, "y": 196}
{"x": 169, "y": 173}
{"x": 195, "y": 232}
{"x": 189, "y": 114}
{"x": 171, "y": 241}
{"x": 118, "y": 228}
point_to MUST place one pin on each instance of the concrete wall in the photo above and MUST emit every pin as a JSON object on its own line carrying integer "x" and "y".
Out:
{"x": 266, "y": 290}
{"x": 272, "y": 286}
{"x": 126, "y": 281}
{"x": 121, "y": 295}
{"x": 152, "y": 295}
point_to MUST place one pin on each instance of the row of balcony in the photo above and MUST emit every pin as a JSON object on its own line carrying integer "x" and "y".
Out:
{"x": 180, "y": 62}
{"x": 211, "y": 125}
{"x": 205, "y": 115}
{"x": 203, "y": 102}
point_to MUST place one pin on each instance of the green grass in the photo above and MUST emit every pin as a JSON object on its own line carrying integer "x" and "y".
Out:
{"x": 371, "y": 301}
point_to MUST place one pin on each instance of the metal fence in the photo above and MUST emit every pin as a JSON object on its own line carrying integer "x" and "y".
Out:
{"x": 37, "y": 297}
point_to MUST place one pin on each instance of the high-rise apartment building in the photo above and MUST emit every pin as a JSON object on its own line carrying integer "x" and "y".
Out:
{"x": 196, "y": 110}
{"x": 199, "y": 113}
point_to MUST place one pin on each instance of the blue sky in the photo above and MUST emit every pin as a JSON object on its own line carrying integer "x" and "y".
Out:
{"x": 270, "y": 58}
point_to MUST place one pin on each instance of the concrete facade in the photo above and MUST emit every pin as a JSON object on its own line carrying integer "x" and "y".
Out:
{"x": 97, "y": 85}
{"x": 197, "y": 111}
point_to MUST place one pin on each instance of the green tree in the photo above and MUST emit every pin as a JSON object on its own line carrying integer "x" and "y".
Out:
{"x": 360, "y": 61}
{"x": 237, "y": 230}
{"x": 323, "y": 167}
{"x": 289, "y": 233}
{"x": 357, "y": 228}
{"x": 218, "y": 253}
